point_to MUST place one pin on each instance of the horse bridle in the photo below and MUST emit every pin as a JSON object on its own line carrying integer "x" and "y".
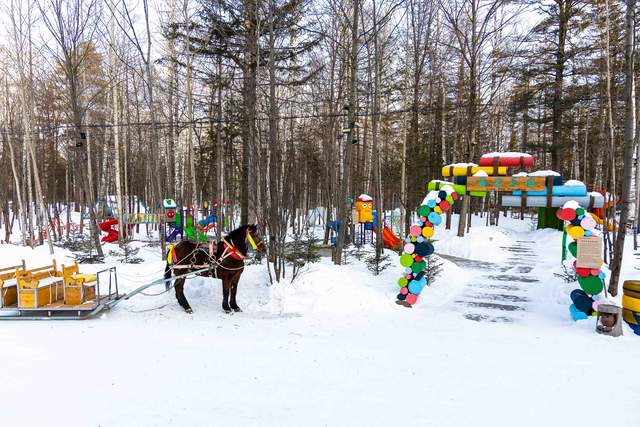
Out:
{"x": 230, "y": 250}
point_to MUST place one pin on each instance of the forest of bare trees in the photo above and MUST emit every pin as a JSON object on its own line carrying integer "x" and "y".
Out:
{"x": 280, "y": 106}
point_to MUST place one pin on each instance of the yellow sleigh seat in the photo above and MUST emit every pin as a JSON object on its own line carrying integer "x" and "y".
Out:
{"x": 39, "y": 287}
{"x": 78, "y": 287}
{"x": 31, "y": 283}
{"x": 9, "y": 284}
{"x": 82, "y": 278}
{"x": 8, "y": 292}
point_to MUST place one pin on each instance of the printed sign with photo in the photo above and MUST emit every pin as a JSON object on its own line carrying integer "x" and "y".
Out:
{"x": 589, "y": 252}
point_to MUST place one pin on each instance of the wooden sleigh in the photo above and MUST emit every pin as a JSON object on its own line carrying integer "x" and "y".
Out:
{"x": 52, "y": 291}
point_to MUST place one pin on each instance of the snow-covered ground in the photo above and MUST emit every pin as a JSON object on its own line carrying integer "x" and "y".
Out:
{"x": 331, "y": 349}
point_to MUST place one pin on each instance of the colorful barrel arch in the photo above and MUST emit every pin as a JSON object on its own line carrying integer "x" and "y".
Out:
{"x": 418, "y": 244}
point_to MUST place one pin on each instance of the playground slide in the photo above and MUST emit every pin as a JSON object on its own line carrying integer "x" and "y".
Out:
{"x": 391, "y": 241}
{"x": 108, "y": 227}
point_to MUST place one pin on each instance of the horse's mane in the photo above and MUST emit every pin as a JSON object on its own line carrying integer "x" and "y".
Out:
{"x": 237, "y": 238}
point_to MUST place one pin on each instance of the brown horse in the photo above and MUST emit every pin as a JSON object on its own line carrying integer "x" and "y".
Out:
{"x": 226, "y": 264}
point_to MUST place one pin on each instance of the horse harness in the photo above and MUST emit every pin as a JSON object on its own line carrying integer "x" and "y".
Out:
{"x": 230, "y": 250}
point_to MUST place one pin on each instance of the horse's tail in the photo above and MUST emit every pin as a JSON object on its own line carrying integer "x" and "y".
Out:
{"x": 171, "y": 258}
{"x": 167, "y": 271}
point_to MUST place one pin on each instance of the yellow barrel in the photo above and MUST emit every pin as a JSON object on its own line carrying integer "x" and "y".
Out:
{"x": 630, "y": 303}
{"x": 631, "y": 288}
{"x": 630, "y": 316}
{"x": 459, "y": 170}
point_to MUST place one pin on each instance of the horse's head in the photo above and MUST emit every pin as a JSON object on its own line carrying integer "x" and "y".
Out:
{"x": 253, "y": 238}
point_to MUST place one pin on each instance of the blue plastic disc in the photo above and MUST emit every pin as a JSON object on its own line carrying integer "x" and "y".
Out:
{"x": 434, "y": 218}
{"x": 416, "y": 286}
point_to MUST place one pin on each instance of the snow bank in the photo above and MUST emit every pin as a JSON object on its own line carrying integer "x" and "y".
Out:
{"x": 461, "y": 165}
{"x": 544, "y": 173}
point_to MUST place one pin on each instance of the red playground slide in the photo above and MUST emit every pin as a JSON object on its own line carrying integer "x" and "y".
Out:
{"x": 391, "y": 241}
{"x": 108, "y": 227}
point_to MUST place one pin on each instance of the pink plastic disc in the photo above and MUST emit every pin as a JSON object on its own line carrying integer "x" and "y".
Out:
{"x": 411, "y": 299}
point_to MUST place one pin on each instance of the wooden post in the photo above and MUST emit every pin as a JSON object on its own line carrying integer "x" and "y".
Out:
{"x": 469, "y": 211}
{"x": 463, "y": 215}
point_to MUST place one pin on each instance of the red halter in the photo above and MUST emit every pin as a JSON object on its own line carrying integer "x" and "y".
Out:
{"x": 232, "y": 251}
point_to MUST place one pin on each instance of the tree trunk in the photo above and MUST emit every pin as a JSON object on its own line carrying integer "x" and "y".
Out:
{"x": 192, "y": 166}
{"x": 16, "y": 177}
{"x": 556, "y": 137}
{"x": 274, "y": 158}
{"x": 629, "y": 134}
{"x": 247, "y": 195}
{"x": 343, "y": 201}
{"x": 116, "y": 133}
{"x": 220, "y": 182}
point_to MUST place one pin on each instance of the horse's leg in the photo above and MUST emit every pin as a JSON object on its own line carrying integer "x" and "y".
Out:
{"x": 182, "y": 300}
{"x": 226, "y": 286}
{"x": 234, "y": 290}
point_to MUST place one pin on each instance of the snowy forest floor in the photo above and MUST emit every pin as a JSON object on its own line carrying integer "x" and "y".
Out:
{"x": 490, "y": 343}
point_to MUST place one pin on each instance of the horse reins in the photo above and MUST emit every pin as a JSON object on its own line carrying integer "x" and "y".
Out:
{"x": 229, "y": 251}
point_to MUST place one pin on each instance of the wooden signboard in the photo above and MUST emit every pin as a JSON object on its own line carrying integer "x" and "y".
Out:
{"x": 589, "y": 252}
{"x": 506, "y": 183}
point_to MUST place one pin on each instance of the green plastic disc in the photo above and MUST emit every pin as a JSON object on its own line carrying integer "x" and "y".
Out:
{"x": 406, "y": 260}
{"x": 573, "y": 249}
{"x": 402, "y": 282}
{"x": 591, "y": 284}
{"x": 417, "y": 267}
{"x": 424, "y": 210}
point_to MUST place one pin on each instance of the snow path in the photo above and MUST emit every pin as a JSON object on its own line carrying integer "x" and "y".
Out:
{"x": 498, "y": 292}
